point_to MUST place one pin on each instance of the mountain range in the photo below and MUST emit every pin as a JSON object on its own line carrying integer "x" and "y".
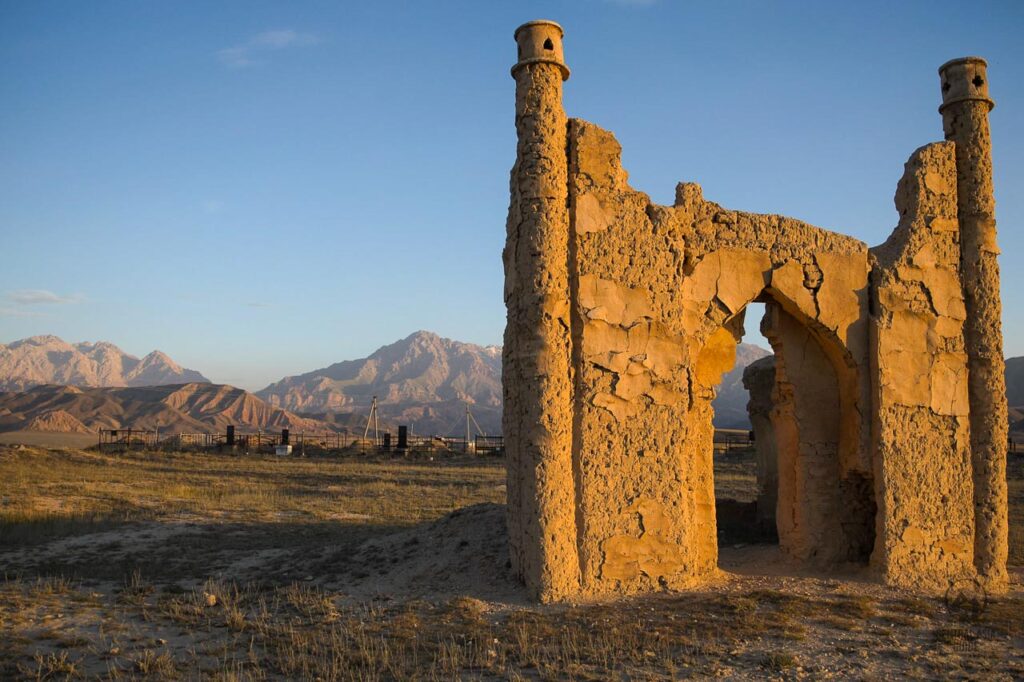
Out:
{"x": 423, "y": 380}
{"x": 183, "y": 408}
{"x": 427, "y": 381}
{"x": 42, "y": 360}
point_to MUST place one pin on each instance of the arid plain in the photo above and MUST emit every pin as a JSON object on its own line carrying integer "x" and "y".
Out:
{"x": 179, "y": 566}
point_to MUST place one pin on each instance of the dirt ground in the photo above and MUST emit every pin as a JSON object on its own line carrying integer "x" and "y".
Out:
{"x": 186, "y": 566}
{"x": 47, "y": 439}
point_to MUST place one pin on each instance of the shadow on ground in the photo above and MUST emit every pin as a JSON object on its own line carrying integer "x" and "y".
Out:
{"x": 462, "y": 553}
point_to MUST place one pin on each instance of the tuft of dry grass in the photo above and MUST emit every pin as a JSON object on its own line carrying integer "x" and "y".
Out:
{"x": 856, "y": 606}
{"x": 778, "y": 661}
{"x": 51, "y": 666}
{"x": 155, "y": 664}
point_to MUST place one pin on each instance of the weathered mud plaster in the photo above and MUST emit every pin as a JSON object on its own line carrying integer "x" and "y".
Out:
{"x": 623, "y": 315}
{"x": 920, "y": 416}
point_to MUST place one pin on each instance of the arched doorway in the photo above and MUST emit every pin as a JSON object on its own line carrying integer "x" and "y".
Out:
{"x": 808, "y": 468}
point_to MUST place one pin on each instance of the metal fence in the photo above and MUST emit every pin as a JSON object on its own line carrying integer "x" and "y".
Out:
{"x": 727, "y": 440}
{"x": 301, "y": 443}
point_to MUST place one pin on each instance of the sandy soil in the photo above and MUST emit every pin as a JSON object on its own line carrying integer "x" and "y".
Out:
{"x": 463, "y": 556}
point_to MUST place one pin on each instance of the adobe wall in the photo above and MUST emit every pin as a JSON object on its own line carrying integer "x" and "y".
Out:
{"x": 624, "y": 314}
{"x": 920, "y": 415}
{"x": 657, "y": 312}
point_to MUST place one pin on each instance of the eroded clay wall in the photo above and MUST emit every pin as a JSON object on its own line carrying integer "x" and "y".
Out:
{"x": 921, "y": 433}
{"x": 646, "y": 507}
{"x": 658, "y": 300}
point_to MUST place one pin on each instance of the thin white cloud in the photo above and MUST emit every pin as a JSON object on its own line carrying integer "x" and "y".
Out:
{"x": 277, "y": 40}
{"x": 41, "y": 296}
{"x": 18, "y": 312}
{"x": 251, "y": 51}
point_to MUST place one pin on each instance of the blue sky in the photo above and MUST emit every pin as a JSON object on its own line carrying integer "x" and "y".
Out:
{"x": 263, "y": 188}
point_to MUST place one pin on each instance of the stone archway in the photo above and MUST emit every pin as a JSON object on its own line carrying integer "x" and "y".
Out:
{"x": 822, "y": 504}
{"x": 821, "y": 510}
{"x": 646, "y": 359}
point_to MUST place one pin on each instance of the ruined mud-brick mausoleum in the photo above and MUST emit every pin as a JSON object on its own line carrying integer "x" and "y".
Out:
{"x": 887, "y": 410}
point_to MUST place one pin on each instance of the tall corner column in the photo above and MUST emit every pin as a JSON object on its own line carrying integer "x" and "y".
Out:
{"x": 536, "y": 361}
{"x": 965, "y": 108}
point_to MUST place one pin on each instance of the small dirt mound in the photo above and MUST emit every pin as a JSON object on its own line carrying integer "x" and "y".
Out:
{"x": 57, "y": 420}
{"x": 464, "y": 553}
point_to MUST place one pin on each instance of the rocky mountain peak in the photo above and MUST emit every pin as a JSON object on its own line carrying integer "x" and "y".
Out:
{"x": 48, "y": 359}
{"x": 160, "y": 358}
{"x": 41, "y": 340}
{"x": 424, "y": 379}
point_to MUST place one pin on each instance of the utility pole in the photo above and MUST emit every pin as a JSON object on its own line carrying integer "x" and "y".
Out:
{"x": 372, "y": 418}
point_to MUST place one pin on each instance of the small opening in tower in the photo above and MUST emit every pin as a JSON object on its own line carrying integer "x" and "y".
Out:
{"x": 978, "y": 81}
{"x": 548, "y": 45}
{"x": 945, "y": 86}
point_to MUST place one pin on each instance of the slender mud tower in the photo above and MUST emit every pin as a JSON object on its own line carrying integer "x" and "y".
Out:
{"x": 536, "y": 356}
{"x": 965, "y": 108}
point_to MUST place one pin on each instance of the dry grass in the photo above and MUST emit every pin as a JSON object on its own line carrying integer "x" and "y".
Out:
{"x": 52, "y": 494}
{"x": 302, "y": 632}
{"x": 735, "y": 476}
{"x": 127, "y": 602}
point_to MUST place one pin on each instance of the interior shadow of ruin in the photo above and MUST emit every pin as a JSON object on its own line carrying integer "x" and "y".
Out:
{"x": 756, "y": 482}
